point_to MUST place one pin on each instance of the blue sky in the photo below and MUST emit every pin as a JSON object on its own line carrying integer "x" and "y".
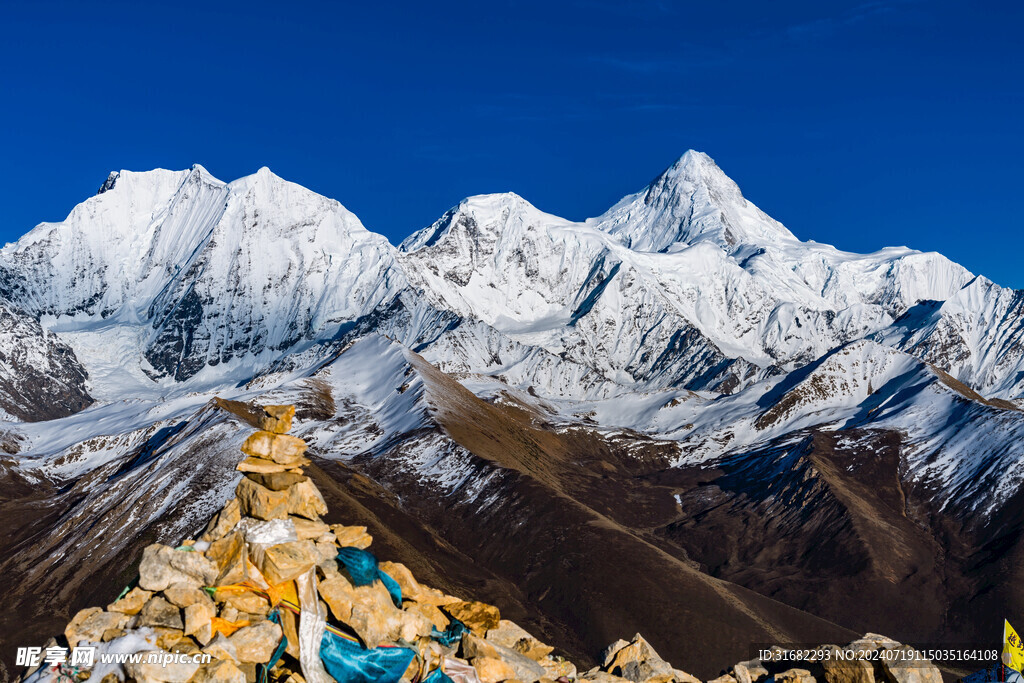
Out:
{"x": 861, "y": 124}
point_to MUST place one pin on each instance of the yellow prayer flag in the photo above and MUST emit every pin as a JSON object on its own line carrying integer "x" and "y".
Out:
{"x": 1013, "y": 649}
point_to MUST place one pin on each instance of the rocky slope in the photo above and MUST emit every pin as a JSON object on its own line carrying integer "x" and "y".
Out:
{"x": 581, "y": 534}
{"x": 270, "y": 591}
{"x": 40, "y": 376}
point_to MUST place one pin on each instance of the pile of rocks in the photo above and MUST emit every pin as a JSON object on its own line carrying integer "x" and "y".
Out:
{"x": 636, "y": 661}
{"x": 267, "y": 569}
{"x": 237, "y": 591}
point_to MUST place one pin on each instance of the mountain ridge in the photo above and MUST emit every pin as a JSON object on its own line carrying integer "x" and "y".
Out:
{"x": 714, "y": 364}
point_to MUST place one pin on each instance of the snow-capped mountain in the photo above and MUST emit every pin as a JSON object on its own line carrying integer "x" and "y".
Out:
{"x": 211, "y": 273}
{"x": 681, "y": 362}
{"x": 682, "y": 284}
{"x": 976, "y": 335}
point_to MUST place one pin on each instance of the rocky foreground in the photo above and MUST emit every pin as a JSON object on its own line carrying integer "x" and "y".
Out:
{"x": 269, "y": 588}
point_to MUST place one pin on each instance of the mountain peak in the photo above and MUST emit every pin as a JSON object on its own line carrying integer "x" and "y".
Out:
{"x": 496, "y": 214}
{"x": 696, "y": 169}
{"x": 691, "y": 201}
{"x": 109, "y": 183}
{"x": 692, "y": 164}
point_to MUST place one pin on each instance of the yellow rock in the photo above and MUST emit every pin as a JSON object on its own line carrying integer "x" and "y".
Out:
{"x": 277, "y": 481}
{"x": 228, "y": 613}
{"x": 198, "y": 615}
{"x": 221, "y": 648}
{"x": 493, "y": 670}
{"x": 336, "y": 591}
{"x": 163, "y": 566}
{"x": 327, "y": 550}
{"x": 474, "y": 648}
{"x": 186, "y": 646}
{"x": 352, "y": 536}
{"x": 281, "y": 448}
{"x": 159, "y": 613}
{"x": 224, "y": 522}
{"x": 229, "y": 554}
{"x": 132, "y": 602}
{"x": 369, "y": 611}
{"x": 91, "y": 623}
{"x": 205, "y": 634}
{"x": 307, "y": 528}
{"x": 277, "y": 419}
{"x": 248, "y": 602}
{"x": 113, "y": 634}
{"x": 511, "y": 635}
{"x": 401, "y": 574}
{"x": 287, "y": 561}
{"x": 435, "y": 597}
{"x": 173, "y": 672}
{"x": 249, "y": 669}
{"x": 264, "y": 466}
{"x": 479, "y": 617}
{"x": 260, "y": 502}
{"x": 431, "y": 612}
{"x": 183, "y": 595}
{"x": 218, "y": 671}
{"x": 525, "y": 669}
{"x": 798, "y": 676}
{"x": 557, "y": 668}
{"x": 256, "y": 643}
{"x": 289, "y": 623}
{"x": 167, "y": 638}
{"x": 305, "y": 500}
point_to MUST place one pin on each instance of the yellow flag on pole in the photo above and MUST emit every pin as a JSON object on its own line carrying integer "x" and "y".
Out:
{"x": 1013, "y": 649}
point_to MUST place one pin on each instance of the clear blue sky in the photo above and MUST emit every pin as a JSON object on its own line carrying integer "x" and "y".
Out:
{"x": 862, "y": 124}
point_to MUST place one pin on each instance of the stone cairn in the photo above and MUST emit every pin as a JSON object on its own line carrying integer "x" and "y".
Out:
{"x": 267, "y": 562}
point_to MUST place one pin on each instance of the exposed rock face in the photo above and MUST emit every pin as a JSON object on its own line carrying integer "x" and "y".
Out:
{"x": 40, "y": 376}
